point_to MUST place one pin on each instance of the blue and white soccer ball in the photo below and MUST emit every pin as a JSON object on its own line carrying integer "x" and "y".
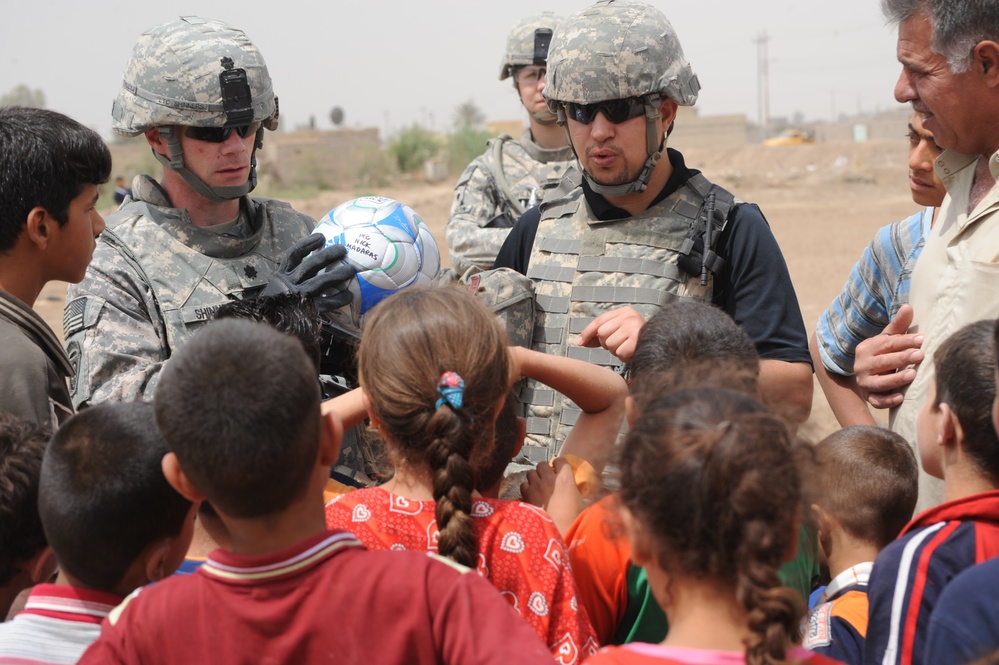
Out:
{"x": 388, "y": 243}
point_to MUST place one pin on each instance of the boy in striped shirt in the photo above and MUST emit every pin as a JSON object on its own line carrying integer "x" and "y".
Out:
{"x": 957, "y": 442}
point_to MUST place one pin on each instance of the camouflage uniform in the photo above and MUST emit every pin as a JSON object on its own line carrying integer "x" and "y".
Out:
{"x": 582, "y": 266}
{"x": 155, "y": 278}
{"x": 482, "y": 213}
{"x": 510, "y": 176}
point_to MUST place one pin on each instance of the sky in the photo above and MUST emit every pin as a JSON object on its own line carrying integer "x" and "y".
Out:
{"x": 389, "y": 63}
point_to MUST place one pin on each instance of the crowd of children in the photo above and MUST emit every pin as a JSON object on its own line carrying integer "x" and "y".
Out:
{"x": 210, "y": 525}
{"x": 682, "y": 557}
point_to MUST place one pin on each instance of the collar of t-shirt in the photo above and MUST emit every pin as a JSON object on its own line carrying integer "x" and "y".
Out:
{"x": 856, "y": 575}
{"x": 606, "y": 211}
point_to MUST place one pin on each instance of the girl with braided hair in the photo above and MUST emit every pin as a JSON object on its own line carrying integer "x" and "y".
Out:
{"x": 709, "y": 490}
{"x": 434, "y": 370}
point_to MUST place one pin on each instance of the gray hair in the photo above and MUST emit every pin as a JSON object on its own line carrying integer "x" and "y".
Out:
{"x": 958, "y": 25}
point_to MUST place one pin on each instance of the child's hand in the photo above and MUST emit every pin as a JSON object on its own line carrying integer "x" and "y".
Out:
{"x": 616, "y": 330}
{"x": 552, "y": 486}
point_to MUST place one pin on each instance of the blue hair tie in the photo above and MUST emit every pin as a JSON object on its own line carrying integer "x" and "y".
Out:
{"x": 451, "y": 388}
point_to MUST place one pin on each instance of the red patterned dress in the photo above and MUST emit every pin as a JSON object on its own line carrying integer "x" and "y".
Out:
{"x": 520, "y": 552}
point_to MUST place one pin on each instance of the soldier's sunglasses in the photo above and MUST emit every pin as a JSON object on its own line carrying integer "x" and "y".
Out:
{"x": 220, "y": 134}
{"x": 615, "y": 110}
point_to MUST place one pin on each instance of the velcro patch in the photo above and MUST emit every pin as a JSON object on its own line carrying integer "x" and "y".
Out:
{"x": 79, "y": 314}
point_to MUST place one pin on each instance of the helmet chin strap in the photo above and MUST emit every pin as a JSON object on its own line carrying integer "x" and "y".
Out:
{"x": 217, "y": 194}
{"x": 655, "y": 143}
{"x": 545, "y": 117}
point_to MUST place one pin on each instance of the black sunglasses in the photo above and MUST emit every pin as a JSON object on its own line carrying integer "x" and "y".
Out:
{"x": 220, "y": 134}
{"x": 615, "y": 110}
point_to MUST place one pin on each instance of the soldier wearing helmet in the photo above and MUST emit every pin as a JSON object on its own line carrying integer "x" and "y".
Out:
{"x": 636, "y": 228}
{"x": 511, "y": 175}
{"x": 200, "y": 93}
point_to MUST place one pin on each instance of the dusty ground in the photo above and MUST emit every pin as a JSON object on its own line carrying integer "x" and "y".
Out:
{"x": 824, "y": 203}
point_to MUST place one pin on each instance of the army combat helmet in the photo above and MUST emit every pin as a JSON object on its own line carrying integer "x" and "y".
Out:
{"x": 620, "y": 49}
{"x": 199, "y": 73}
{"x": 527, "y": 44}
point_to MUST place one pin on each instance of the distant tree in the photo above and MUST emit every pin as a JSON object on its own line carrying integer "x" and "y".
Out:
{"x": 22, "y": 95}
{"x": 465, "y": 145}
{"x": 413, "y": 146}
{"x": 469, "y": 116}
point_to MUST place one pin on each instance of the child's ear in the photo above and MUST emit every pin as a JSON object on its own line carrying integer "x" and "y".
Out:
{"x": 178, "y": 480}
{"x": 521, "y": 435}
{"x": 330, "y": 438}
{"x": 156, "y": 559}
{"x": 43, "y": 565}
{"x": 373, "y": 419}
{"x": 638, "y": 538}
{"x": 792, "y": 543}
{"x": 949, "y": 430}
{"x": 823, "y": 528}
{"x": 38, "y": 227}
{"x": 630, "y": 412}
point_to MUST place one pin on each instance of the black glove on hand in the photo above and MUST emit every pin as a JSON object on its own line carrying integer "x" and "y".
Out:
{"x": 328, "y": 289}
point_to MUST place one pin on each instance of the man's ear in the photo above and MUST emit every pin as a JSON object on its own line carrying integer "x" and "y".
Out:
{"x": 667, "y": 112}
{"x": 178, "y": 480}
{"x": 986, "y": 56}
{"x": 157, "y": 142}
{"x": 330, "y": 438}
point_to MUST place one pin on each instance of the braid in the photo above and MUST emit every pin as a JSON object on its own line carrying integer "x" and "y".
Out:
{"x": 711, "y": 475}
{"x": 761, "y": 523}
{"x": 448, "y": 453}
{"x": 774, "y": 610}
{"x": 435, "y": 365}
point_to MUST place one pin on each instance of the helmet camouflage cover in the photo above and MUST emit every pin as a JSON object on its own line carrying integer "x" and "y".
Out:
{"x": 528, "y": 42}
{"x": 618, "y": 49}
{"x": 177, "y": 74}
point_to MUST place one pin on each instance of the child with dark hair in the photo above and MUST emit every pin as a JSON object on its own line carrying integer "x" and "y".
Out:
{"x": 684, "y": 345}
{"x": 862, "y": 485}
{"x": 958, "y": 443}
{"x": 50, "y": 167}
{"x": 709, "y": 489}
{"x": 965, "y": 624}
{"x": 436, "y": 410}
{"x": 288, "y": 590}
{"x": 25, "y": 558}
{"x": 113, "y": 522}
{"x": 298, "y": 315}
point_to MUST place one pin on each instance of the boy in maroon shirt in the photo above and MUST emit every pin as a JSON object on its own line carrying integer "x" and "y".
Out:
{"x": 240, "y": 410}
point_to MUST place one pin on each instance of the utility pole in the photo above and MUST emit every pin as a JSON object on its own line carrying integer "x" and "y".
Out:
{"x": 763, "y": 84}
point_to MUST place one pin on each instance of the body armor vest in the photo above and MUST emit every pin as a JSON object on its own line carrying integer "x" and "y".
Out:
{"x": 583, "y": 267}
{"x": 191, "y": 271}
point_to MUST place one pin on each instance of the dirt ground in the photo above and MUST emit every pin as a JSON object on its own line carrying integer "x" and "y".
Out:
{"x": 824, "y": 203}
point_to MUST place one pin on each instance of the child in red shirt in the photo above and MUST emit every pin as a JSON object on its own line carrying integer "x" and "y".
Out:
{"x": 434, "y": 371}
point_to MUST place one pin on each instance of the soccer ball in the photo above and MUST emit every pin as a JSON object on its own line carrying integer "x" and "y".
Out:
{"x": 388, "y": 243}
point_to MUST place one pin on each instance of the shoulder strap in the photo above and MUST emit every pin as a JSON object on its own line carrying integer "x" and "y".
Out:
{"x": 697, "y": 253}
{"x": 501, "y": 181}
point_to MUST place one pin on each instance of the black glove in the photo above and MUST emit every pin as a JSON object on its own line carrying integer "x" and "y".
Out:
{"x": 328, "y": 289}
